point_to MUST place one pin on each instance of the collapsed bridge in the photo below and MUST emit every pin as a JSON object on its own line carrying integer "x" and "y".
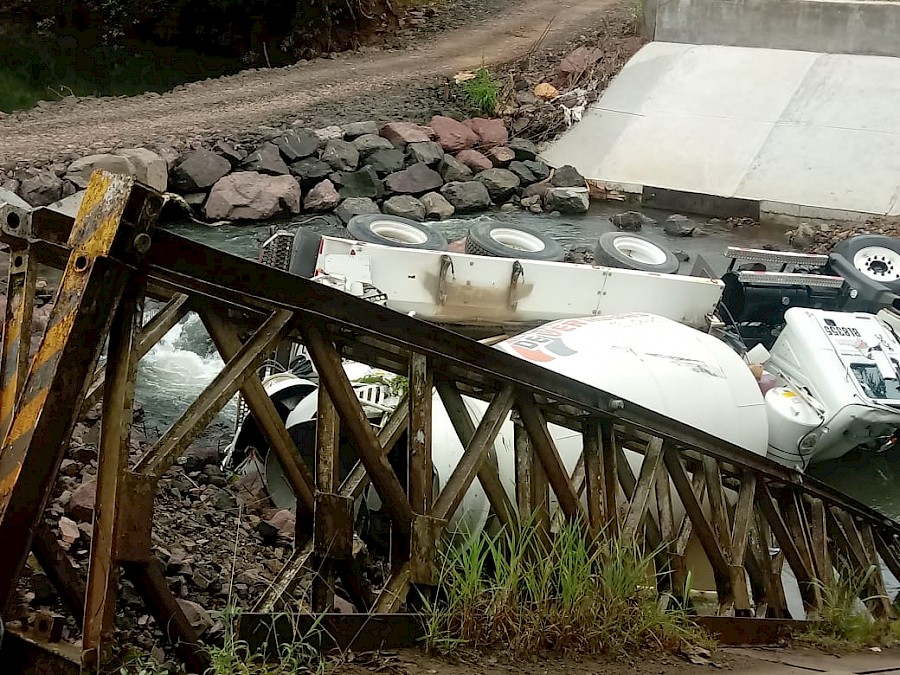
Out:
{"x": 113, "y": 257}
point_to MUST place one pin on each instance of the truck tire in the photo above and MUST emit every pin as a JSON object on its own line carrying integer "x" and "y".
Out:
{"x": 634, "y": 252}
{"x": 875, "y": 257}
{"x": 498, "y": 240}
{"x": 374, "y": 228}
{"x": 304, "y": 253}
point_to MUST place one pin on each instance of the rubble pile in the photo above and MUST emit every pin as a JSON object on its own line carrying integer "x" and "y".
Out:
{"x": 822, "y": 237}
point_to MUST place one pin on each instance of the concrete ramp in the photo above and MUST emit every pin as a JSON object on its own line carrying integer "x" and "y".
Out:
{"x": 800, "y": 133}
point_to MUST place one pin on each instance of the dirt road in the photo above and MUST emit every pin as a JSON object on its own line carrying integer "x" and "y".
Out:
{"x": 351, "y": 87}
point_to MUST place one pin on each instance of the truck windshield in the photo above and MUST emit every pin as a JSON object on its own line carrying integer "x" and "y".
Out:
{"x": 873, "y": 383}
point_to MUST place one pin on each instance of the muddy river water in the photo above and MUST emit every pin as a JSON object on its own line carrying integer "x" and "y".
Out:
{"x": 184, "y": 362}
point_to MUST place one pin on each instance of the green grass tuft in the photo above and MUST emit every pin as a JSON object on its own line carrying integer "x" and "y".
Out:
{"x": 482, "y": 93}
{"x": 516, "y": 591}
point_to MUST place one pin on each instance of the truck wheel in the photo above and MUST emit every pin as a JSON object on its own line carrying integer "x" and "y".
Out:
{"x": 507, "y": 241}
{"x": 304, "y": 253}
{"x": 633, "y": 252}
{"x": 875, "y": 256}
{"x": 396, "y": 231}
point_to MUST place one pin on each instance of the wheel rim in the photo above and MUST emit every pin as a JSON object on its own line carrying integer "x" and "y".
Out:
{"x": 878, "y": 263}
{"x": 399, "y": 232}
{"x": 640, "y": 250}
{"x": 517, "y": 239}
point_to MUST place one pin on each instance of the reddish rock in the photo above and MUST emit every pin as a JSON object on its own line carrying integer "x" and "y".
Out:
{"x": 249, "y": 195}
{"x": 500, "y": 156}
{"x": 401, "y": 133}
{"x": 285, "y": 522}
{"x": 491, "y": 133}
{"x": 474, "y": 160}
{"x": 68, "y": 532}
{"x": 577, "y": 62}
{"x": 81, "y": 504}
{"x": 323, "y": 197}
{"x": 452, "y": 135}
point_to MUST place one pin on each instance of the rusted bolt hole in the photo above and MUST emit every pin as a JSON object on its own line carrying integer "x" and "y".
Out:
{"x": 18, "y": 261}
{"x": 81, "y": 263}
{"x": 12, "y": 220}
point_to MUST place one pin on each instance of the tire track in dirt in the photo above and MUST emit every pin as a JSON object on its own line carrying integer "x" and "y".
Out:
{"x": 252, "y": 98}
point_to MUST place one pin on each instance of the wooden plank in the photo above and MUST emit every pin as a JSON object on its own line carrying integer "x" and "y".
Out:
{"x": 222, "y": 389}
{"x": 640, "y": 501}
{"x": 333, "y": 377}
{"x": 488, "y": 474}
{"x": 473, "y": 458}
{"x": 420, "y": 467}
{"x": 548, "y": 454}
{"x": 701, "y": 526}
{"x": 593, "y": 473}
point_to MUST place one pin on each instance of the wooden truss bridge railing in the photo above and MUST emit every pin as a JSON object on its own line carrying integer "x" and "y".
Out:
{"x": 740, "y": 507}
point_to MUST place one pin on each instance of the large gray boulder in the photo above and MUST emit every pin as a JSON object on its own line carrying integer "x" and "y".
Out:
{"x": 369, "y": 143}
{"x": 567, "y": 199}
{"x": 199, "y": 169}
{"x": 526, "y": 177}
{"x": 310, "y": 171}
{"x": 42, "y": 189}
{"x": 501, "y": 184}
{"x": 567, "y": 176}
{"x": 452, "y": 170}
{"x": 416, "y": 180}
{"x": 386, "y": 161}
{"x": 467, "y": 196}
{"x": 405, "y": 206}
{"x": 79, "y": 171}
{"x": 356, "y": 206}
{"x": 250, "y": 195}
{"x": 362, "y": 183}
{"x": 436, "y": 206}
{"x": 427, "y": 152}
{"x": 267, "y": 159}
{"x": 341, "y": 155}
{"x": 524, "y": 150}
{"x": 357, "y": 129}
{"x": 296, "y": 144}
{"x": 149, "y": 168}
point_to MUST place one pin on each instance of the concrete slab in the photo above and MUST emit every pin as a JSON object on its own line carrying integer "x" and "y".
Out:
{"x": 805, "y": 129}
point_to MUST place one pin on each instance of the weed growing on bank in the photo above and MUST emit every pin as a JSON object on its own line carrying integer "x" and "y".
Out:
{"x": 842, "y": 624}
{"x": 517, "y": 591}
{"x": 482, "y": 93}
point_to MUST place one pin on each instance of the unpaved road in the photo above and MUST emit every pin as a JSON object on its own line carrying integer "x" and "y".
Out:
{"x": 354, "y": 86}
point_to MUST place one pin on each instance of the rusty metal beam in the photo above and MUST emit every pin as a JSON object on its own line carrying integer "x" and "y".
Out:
{"x": 16, "y": 332}
{"x": 548, "y": 454}
{"x": 45, "y": 416}
{"x": 115, "y": 433}
{"x": 200, "y": 413}
{"x": 263, "y": 410}
{"x": 488, "y": 474}
{"x": 382, "y": 475}
{"x": 473, "y": 458}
